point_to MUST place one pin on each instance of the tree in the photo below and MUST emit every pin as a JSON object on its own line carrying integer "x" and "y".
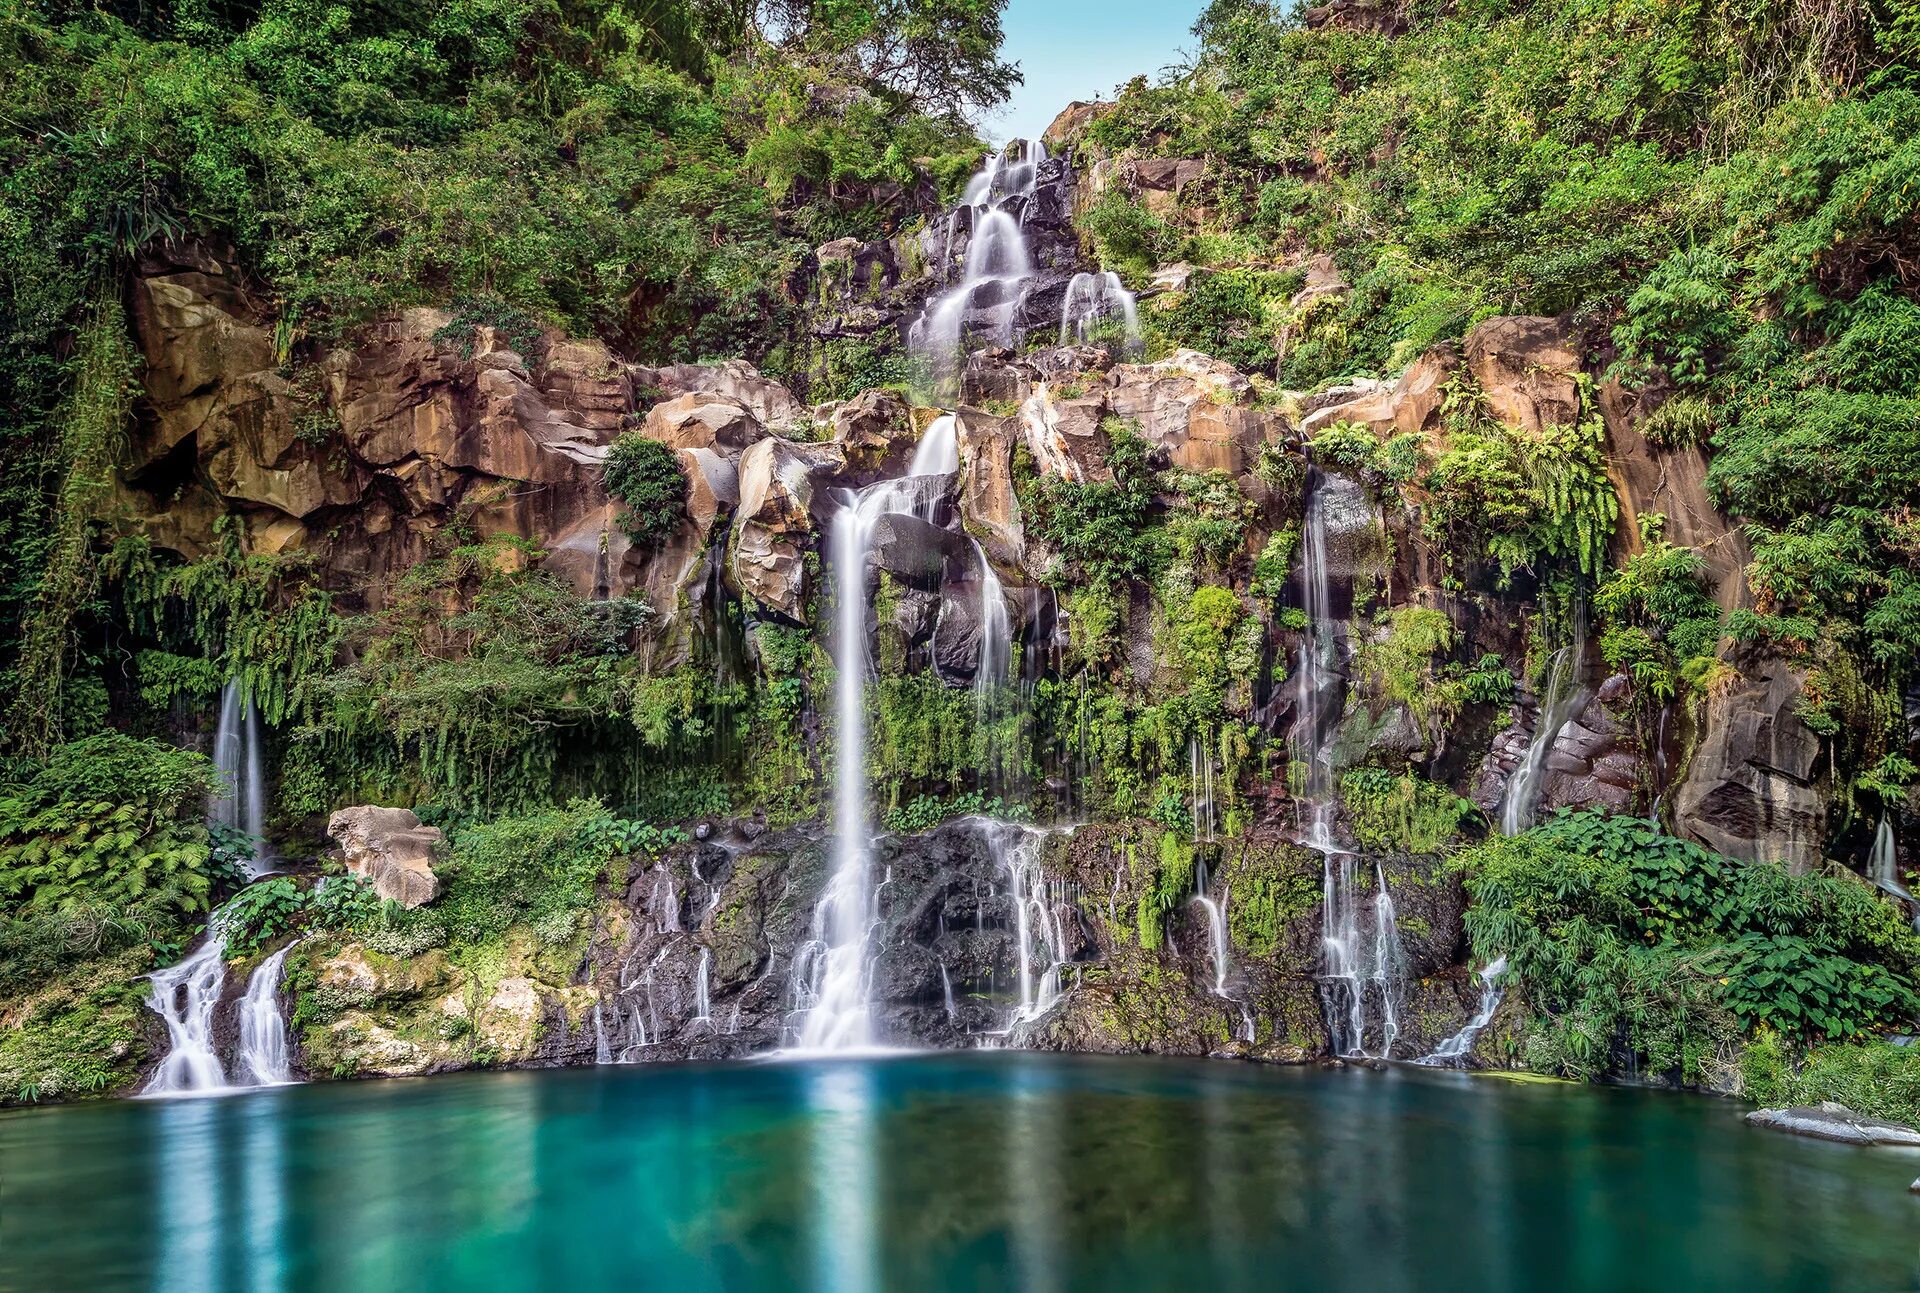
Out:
{"x": 940, "y": 56}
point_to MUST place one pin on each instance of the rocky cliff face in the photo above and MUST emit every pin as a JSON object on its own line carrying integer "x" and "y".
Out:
{"x": 426, "y": 419}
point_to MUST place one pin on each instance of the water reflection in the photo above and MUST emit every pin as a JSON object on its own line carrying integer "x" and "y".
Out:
{"x": 943, "y": 1172}
{"x": 840, "y": 1097}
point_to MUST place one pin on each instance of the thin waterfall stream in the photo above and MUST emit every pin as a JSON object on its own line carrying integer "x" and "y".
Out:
{"x": 240, "y": 802}
{"x": 1362, "y": 968}
{"x": 1560, "y": 700}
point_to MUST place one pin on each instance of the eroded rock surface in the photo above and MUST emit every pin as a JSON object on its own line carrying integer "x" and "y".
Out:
{"x": 391, "y": 848}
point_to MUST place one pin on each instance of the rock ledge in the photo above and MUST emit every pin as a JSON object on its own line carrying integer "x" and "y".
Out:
{"x": 1835, "y": 1122}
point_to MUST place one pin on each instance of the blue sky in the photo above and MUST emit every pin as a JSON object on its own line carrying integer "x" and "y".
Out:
{"x": 1082, "y": 49}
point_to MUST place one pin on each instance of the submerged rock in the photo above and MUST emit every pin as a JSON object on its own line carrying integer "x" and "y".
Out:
{"x": 1832, "y": 1121}
{"x": 390, "y": 847}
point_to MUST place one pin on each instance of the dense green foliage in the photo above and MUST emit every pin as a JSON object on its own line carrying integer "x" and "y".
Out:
{"x": 1635, "y": 948}
{"x": 1717, "y": 197}
{"x": 111, "y": 822}
{"x": 646, "y": 477}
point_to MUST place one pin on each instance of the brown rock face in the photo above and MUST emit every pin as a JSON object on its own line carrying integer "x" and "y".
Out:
{"x": 770, "y": 403}
{"x": 702, "y": 420}
{"x": 397, "y": 435}
{"x": 777, "y": 487}
{"x": 1751, "y": 788}
{"x": 390, "y": 847}
{"x": 1672, "y": 482}
{"x": 876, "y": 433}
{"x": 989, "y": 508}
{"x": 1526, "y": 366}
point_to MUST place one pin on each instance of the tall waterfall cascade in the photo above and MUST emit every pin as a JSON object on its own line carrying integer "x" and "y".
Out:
{"x": 833, "y": 970}
{"x": 1560, "y": 700}
{"x": 996, "y": 264}
{"x": 240, "y": 802}
{"x": 1362, "y": 967}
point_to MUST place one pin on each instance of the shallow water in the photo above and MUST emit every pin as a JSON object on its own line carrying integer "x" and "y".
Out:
{"x": 945, "y": 1172}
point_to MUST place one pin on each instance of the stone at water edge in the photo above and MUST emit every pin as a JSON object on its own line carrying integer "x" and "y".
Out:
{"x": 1832, "y": 1121}
{"x": 390, "y": 847}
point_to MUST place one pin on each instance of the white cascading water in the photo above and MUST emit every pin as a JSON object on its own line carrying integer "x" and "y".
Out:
{"x": 1036, "y": 908}
{"x": 702, "y": 1000}
{"x": 263, "y": 1057}
{"x": 996, "y": 628}
{"x": 1096, "y": 301}
{"x": 994, "y": 273}
{"x": 1361, "y": 961}
{"x": 1491, "y": 991}
{"x": 1883, "y": 867}
{"x": 240, "y": 803}
{"x": 1559, "y": 701}
{"x": 185, "y": 997}
{"x": 832, "y": 970}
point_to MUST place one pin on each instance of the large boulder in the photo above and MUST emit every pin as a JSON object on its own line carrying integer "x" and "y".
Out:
{"x": 734, "y": 380}
{"x": 1750, "y": 789}
{"x": 1830, "y": 1121}
{"x": 777, "y": 488}
{"x": 702, "y": 421}
{"x": 877, "y": 432}
{"x": 989, "y": 508}
{"x": 390, "y": 847}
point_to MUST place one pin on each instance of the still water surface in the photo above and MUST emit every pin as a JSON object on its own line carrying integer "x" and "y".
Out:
{"x": 945, "y": 1172}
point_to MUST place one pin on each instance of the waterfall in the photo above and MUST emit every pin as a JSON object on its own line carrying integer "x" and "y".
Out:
{"x": 946, "y": 993}
{"x": 996, "y": 629}
{"x": 240, "y": 803}
{"x": 1094, "y": 300}
{"x": 1883, "y": 868}
{"x": 832, "y": 970}
{"x": 602, "y": 1049}
{"x": 1035, "y": 914}
{"x": 1457, "y": 1046}
{"x": 263, "y": 1056}
{"x": 185, "y": 996}
{"x": 1222, "y": 957}
{"x": 1558, "y": 704}
{"x": 1361, "y": 962}
{"x": 1200, "y": 757}
{"x": 994, "y": 273}
{"x": 702, "y": 1002}
{"x": 1882, "y": 863}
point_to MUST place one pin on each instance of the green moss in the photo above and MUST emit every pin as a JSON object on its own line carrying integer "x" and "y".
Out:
{"x": 81, "y": 1035}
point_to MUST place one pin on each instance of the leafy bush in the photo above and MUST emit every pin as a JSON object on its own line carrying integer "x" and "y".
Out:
{"x": 1106, "y": 529}
{"x": 645, "y": 476}
{"x": 1634, "y": 943}
{"x": 1403, "y": 813}
{"x": 529, "y": 870}
{"x": 1878, "y": 1079}
{"x": 110, "y": 821}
